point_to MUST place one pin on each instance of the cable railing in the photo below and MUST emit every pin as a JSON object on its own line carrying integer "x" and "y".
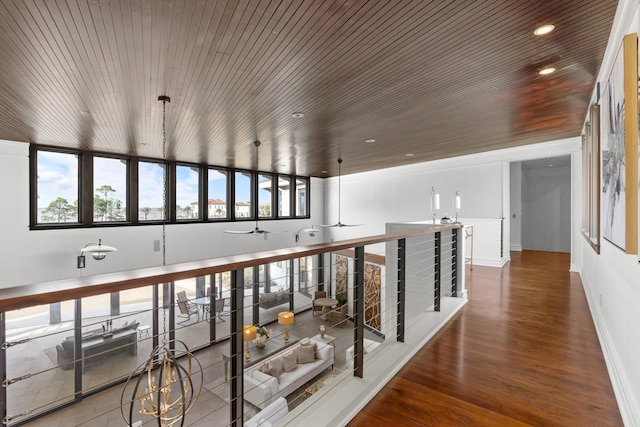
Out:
{"x": 64, "y": 341}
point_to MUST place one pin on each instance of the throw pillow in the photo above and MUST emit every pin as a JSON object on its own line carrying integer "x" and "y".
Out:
{"x": 289, "y": 361}
{"x": 314, "y": 346}
{"x": 265, "y": 369}
{"x": 305, "y": 354}
{"x": 275, "y": 367}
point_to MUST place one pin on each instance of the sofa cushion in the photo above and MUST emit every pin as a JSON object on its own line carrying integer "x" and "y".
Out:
{"x": 289, "y": 361}
{"x": 276, "y": 367}
{"x": 264, "y": 379}
{"x": 306, "y": 353}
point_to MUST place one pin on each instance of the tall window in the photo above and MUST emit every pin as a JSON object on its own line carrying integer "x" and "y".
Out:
{"x": 71, "y": 189}
{"x": 187, "y": 192}
{"x": 284, "y": 196}
{"x": 109, "y": 189}
{"x": 301, "y": 197}
{"x": 217, "y": 187}
{"x": 243, "y": 195}
{"x": 151, "y": 191}
{"x": 265, "y": 192}
{"x": 57, "y": 183}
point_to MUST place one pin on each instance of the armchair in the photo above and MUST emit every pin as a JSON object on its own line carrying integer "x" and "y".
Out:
{"x": 186, "y": 307}
{"x": 316, "y": 295}
{"x": 338, "y": 316}
{"x": 219, "y": 308}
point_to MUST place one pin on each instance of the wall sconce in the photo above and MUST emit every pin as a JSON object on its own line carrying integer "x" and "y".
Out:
{"x": 312, "y": 232}
{"x": 97, "y": 250}
{"x": 457, "y": 204}
{"x": 435, "y": 203}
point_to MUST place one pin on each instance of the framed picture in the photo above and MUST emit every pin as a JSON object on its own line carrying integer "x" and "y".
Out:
{"x": 591, "y": 179}
{"x": 619, "y": 157}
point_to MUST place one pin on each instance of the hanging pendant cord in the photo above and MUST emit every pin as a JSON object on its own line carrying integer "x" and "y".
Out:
{"x": 164, "y": 100}
{"x": 339, "y": 185}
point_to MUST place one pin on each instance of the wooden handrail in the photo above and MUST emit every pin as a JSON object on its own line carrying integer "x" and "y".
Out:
{"x": 68, "y": 289}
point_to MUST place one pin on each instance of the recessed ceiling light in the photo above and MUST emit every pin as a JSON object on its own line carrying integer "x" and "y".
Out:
{"x": 325, "y": 172}
{"x": 409, "y": 155}
{"x": 369, "y": 141}
{"x": 547, "y": 70}
{"x": 544, "y": 29}
{"x": 297, "y": 115}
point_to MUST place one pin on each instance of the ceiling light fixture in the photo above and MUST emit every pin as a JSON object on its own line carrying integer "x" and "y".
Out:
{"x": 544, "y": 29}
{"x": 369, "y": 141}
{"x": 409, "y": 155}
{"x": 339, "y": 224}
{"x": 297, "y": 115}
{"x": 546, "y": 71}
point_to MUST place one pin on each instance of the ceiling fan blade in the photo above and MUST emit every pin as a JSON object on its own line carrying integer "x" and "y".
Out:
{"x": 239, "y": 232}
{"x": 338, "y": 225}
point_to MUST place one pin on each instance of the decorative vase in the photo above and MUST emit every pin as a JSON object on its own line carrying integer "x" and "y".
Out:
{"x": 322, "y": 331}
{"x": 261, "y": 342}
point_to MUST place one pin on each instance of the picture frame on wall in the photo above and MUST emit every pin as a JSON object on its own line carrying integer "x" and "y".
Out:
{"x": 591, "y": 178}
{"x": 619, "y": 149}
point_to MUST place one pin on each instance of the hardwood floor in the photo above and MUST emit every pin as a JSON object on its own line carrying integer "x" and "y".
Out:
{"x": 523, "y": 351}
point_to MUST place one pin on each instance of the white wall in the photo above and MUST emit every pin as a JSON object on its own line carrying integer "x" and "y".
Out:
{"x": 612, "y": 278}
{"x": 45, "y": 255}
{"x": 402, "y": 194}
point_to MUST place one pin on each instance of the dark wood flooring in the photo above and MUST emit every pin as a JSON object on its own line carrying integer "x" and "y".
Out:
{"x": 522, "y": 352}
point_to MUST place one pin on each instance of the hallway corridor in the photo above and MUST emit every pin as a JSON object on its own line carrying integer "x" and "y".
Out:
{"x": 522, "y": 352}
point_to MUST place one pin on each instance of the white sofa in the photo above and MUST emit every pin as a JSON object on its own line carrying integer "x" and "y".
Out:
{"x": 269, "y": 415}
{"x": 260, "y": 389}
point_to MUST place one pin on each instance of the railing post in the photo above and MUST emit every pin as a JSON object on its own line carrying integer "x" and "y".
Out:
{"x": 292, "y": 282}
{"x": 321, "y": 272}
{"x": 437, "y": 267}
{"x": 454, "y": 262}
{"x": 155, "y": 318}
{"x": 237, "y": 325}
{"x": 255, "y": 293}
{"x": 78, "y": 364}
{"x": 400, "y": 315}
{"x": 358, "y": 311}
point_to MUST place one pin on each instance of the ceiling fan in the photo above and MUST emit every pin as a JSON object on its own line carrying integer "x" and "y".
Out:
{"x": 257, "y": 231}
{"x": 339, "y": 224}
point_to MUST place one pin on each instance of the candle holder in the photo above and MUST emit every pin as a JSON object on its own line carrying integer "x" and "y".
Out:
{"x": 435, "y": 203}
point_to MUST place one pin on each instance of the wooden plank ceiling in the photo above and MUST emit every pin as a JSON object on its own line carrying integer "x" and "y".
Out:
{"x": 430, "y": 78}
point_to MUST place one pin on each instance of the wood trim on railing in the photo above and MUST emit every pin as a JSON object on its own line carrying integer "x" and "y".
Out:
{"x": 62, "y": 290}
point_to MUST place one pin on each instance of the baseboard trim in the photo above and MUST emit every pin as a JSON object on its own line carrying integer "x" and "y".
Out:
{"x": 517, "y": 248}
{"x": 629, "y": 410}
{"x": 490, "y": 262}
